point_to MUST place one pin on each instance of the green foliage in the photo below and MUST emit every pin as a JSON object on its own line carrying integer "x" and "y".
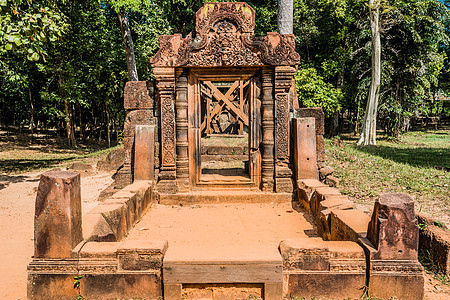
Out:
{"x": 313, "y": 91}
{"x": 27, "y": 25}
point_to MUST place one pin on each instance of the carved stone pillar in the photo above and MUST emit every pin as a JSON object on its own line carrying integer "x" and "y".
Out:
{"x": 181, "y": 119}
{"x": 165, "y": 83}
{"x": 283, "y": 173}
{"x": 267, "y": 168}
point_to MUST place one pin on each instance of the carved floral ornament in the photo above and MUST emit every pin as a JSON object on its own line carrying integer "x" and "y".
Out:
{"x": 225, "y": 37}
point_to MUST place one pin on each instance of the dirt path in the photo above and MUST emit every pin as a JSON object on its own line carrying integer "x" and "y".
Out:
{"x": 17, "y": 197}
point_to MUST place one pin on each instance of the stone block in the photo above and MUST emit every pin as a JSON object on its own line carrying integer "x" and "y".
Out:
{"x": 325, "y": 171}
{"x": 135, "y": 255}
{"x": 122, "y": 286}
{"x": 332, "y": 181}
{"x": 95, "y": 228}
{"x": 222, "y": 150}
{"x": 136, "y": 117}
{"x": 317, "y": 114}
{"x": 323, "y": 220}
{"x": 325, "y": 285}
{"x": 305, "y": 254}
{"x": 344, "y": 278}
{"x": 306, "y": 189}
{"x": 144, "y": 152}
{"x": 138, "y": 95}
{"x": 321, "y": 194}
{"x": 393, "y": 228}
{"x": 305, "y": 155}
{"x": 98, "y": 250}
{"x": 348, "y": 225}
{"x": 51, "y": 286}
{"x": 115, "y": 216}
{"x": 57, "y": 219}
{"x": 320, "y": 148}
{"x": 113, "y": 161}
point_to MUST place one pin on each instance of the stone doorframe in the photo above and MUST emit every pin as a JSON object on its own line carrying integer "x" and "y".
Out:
{"x": 225, "y": 38}
{"x": 194, "y": 77}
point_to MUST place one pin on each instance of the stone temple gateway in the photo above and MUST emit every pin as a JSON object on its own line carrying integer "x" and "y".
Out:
{"x": 268, "y": 229}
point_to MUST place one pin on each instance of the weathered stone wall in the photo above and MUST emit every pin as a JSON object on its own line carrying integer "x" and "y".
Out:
{"x": 110, "y": 268}
{"x": 389, "y": 239}
{"x": 140, "y": 105}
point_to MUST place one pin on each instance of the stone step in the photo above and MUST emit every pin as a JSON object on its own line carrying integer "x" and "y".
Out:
{"x": 222, "y": 270}
{"x": 224, "y": 196}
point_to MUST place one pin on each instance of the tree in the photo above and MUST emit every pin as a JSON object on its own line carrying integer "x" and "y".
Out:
{"x": 128, "y": 43}
{"x": 286, "y": 16}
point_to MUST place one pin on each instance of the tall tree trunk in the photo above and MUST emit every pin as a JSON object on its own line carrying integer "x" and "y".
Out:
{"x": 32, "y": 113}
{"x": 285, "y": 16}
{"x": 108, "y": 127}
{"x": 369, "y": 126}
{"x": 69, "y": 124}
{"x": 128, "y": 42}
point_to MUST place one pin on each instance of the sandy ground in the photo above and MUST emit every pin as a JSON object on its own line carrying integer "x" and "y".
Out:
{"x": 223, "y": 231}
{"x": 16, "y": 225}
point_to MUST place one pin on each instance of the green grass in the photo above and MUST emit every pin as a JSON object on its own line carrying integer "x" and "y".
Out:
{"x": 29, "y": 160}
{"x": 407, "y": 166}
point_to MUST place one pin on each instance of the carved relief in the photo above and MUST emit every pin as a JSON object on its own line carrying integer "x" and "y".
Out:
{"x": 224, "y": 48}
{"x": 225, "y": 37}
{"x": 282, "y": 126}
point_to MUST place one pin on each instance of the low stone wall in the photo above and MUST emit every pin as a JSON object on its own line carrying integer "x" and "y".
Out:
{"x": 140, "y": 104}
{"x": 388, "y": 239}
{"x": 109, "y": 268}
{"x": 314, "y": 268}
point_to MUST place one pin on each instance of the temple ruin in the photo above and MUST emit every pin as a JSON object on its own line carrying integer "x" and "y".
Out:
{"x": 198, "y": 220}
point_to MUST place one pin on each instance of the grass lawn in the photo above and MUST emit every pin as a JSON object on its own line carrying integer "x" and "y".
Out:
{"x": 418, "y": 165}
{"x": 19, "y": 153}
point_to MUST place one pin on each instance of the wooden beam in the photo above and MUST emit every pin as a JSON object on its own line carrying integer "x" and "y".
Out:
{"x": 220, "y": 105}
{"x": 218, "y": 95}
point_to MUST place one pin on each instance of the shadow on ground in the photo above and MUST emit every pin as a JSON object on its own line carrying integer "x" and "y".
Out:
{"x": 23, "y": 165}
{"x": 5, "y": 180}
{"x": 424, "y": 157}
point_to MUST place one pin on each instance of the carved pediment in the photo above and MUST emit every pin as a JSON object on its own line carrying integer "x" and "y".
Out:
{"x": 225, "y": 37}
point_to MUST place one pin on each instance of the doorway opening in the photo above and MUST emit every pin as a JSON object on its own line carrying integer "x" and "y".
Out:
{"x": 228, "y": 112}
{"x": 224, "y": 130}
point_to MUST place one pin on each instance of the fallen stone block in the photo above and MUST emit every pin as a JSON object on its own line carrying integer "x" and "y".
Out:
{"x": 348, "y": 225}
{"x": 95, "y": 228}
{"x": 332, "y": 181}
{"x": 113, "y": 161}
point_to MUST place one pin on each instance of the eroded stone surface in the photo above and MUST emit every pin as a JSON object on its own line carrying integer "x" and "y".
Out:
{"x": 57, "y": 219}
{"x": 393, "y": 228}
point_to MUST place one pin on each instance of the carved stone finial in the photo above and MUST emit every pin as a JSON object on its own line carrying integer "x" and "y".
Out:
{"x": 393, "y": 228}
{"x": 224, "y": 36}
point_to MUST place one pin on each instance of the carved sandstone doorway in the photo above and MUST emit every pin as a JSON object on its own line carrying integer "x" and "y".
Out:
{"x": 224, "y": 107}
